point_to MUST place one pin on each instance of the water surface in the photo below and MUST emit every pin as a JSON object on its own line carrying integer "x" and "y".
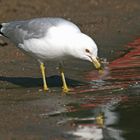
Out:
{"x": 106, "y": 107}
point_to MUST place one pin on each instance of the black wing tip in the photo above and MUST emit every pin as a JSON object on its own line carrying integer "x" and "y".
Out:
{"x": 0, "y": 29}
{"x": 1, "y": 26}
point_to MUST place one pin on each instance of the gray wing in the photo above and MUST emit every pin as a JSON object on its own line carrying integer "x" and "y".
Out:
{"x": 18, "y": 31}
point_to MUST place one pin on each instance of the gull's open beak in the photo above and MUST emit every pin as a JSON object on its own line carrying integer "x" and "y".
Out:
{"x": 96, "y": 63}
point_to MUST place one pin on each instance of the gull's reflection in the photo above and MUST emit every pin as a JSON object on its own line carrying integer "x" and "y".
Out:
{"x": 88, "y": 133}
{"x": 102, "y": 126}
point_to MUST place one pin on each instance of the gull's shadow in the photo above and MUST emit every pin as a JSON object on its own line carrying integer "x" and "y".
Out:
{"x": 52, "y": 81}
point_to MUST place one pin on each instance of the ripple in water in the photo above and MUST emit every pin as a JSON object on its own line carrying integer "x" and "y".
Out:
{"x": 108, "y": 102}
{"x": 107, "y": 94}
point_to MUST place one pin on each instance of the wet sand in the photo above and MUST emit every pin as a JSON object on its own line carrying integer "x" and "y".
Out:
{"x": 24, "y": 106}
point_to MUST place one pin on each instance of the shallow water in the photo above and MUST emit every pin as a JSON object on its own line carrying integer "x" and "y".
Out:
{"x": 110, "y": 104}
{"x": 106, "y": 107}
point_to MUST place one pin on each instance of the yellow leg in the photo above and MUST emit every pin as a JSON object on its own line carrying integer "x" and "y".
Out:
{"x": 64, "y": 87}
{"x": 42, "y": 67}
{"x": 100, "y": 120}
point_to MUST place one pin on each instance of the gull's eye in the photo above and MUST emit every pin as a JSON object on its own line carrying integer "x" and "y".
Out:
{"x": 87, "y": 50}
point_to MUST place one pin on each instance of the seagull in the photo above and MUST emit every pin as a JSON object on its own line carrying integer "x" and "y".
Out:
{"x": 51, "y": 39}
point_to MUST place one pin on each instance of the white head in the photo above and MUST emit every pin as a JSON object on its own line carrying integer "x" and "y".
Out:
{"x": 83, "y": 47}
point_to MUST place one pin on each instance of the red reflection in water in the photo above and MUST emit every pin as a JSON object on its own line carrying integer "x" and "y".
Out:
{"x": 117, "y": 76}
{"x": 120, "y": 73}
{"x": 127, "y": 67}
{"x": 131, "y": 59}
{"x": 94, "y": 103}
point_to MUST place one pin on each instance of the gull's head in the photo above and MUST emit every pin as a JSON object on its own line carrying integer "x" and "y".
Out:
{"x": 86, "y": 49}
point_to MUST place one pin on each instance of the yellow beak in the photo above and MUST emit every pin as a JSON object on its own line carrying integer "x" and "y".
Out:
{"x": 96, "y": 63}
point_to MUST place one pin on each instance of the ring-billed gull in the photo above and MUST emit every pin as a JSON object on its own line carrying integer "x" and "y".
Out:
{"x": 52, "y": 39}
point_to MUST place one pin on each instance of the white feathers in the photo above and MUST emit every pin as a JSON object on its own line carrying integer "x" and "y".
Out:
{"x": 50, "y": 39}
